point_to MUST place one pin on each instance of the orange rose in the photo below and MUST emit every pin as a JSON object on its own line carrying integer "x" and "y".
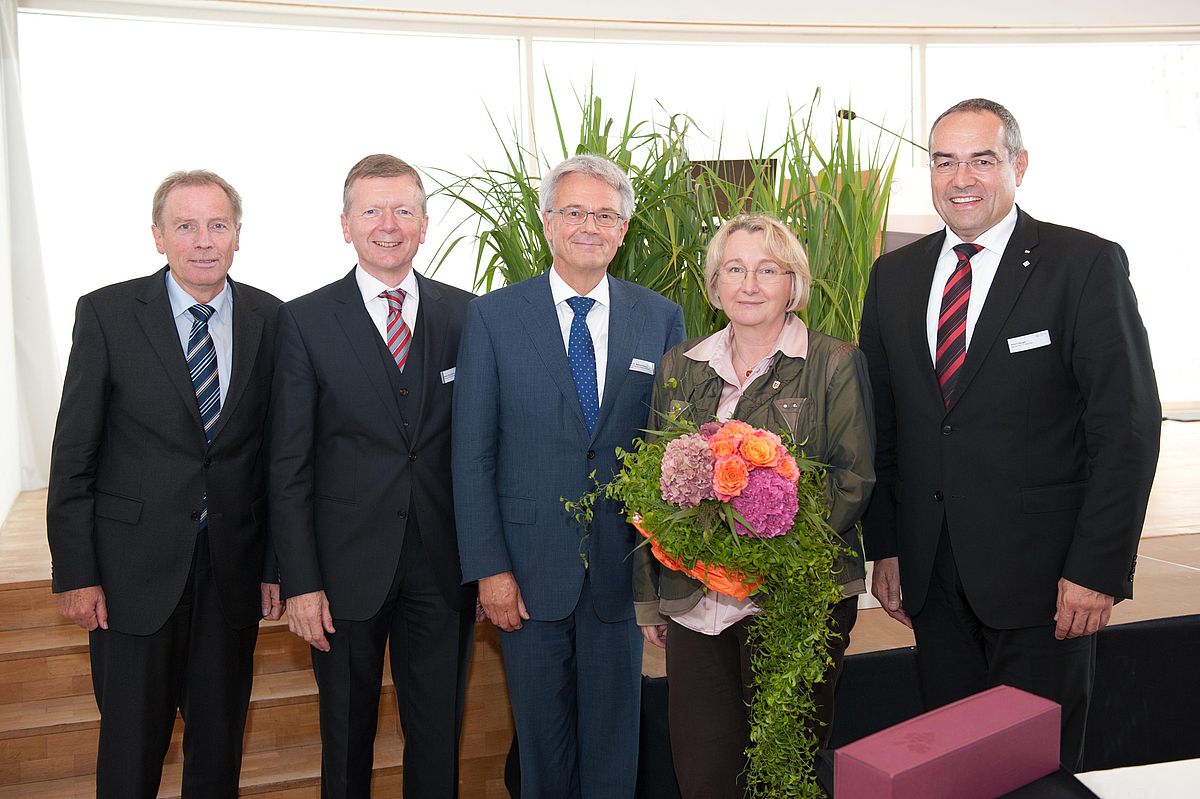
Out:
{"x": 759, "y": 449}
{"x": 736, "y": 429}
{"x": 722, "y": 446}
{"x": 787, "y": 468}
{"x": 729, "y": 477}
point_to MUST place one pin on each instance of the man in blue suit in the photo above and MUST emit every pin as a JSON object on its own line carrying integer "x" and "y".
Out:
{"x": 554, "y": 373}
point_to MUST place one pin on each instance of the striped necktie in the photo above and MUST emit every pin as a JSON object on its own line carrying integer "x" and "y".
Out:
{"x": 952, "y": 322}
{"x": 202, "y": 367}
{"x": 399, "y": 337}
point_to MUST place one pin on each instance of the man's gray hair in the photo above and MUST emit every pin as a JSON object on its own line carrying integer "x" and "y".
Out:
{"x": 193, "y": 177}
{"x": 1012, "y": 131}
{"x": 593, "y": 166}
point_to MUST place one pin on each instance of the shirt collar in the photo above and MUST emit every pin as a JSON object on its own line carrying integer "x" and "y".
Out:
{"x": 718, "y": 348}
{"x": 994, "y": 238}
{"x": 561, "y": 292}
{"x": 181, "y": 301}
{"x": 371, "y": 287}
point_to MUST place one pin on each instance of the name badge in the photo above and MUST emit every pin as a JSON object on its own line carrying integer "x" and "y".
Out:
{"x": 448, "y": 375}
{"x": 1029, "y": 341}
{"x": 638, "y": 365}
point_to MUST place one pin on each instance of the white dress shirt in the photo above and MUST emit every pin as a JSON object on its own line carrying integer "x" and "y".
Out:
{"x": 220, "y": 325}
{"x": 377, "y": 307}
{"x": 597, "y": 322}
{"x": 983, "y": 271}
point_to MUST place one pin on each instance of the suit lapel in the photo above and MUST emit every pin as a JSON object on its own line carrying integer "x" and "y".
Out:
{"x": 921, "y": 283}
{"x": 361, "y": 335}
{"x": 155, "y": 317}
{"x": 247, "y": 333}
{"x": 541, "y": 324}
{"x": 1016, "y": 265}
{"x": 622, "y": 334}
{"x": 432, "y": 324}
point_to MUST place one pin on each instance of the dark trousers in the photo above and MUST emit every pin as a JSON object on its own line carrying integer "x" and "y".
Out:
{"x": 575, "y": 687}
{"x": 711, "y": 687}
{"x": 958, "y": 655}
{"x": 195, "y": 663}
{"x": 430, "y": 647}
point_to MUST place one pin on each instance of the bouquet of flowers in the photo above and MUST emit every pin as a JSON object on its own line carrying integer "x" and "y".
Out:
{"x": 744, "y": 512}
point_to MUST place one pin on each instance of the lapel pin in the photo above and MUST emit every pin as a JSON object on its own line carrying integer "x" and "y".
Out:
{"x": 775, "y": 385}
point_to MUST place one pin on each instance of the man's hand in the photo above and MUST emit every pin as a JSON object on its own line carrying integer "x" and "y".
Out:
{"x": 655, "y": 634}
{"x": 85, "y": 606}
{"x": 500, "y": 597}
{"x": 885, "y": 586}
{"x": 309, "y": 618}
{"x": 1081, "y": 611}
{"x": 272, "y": 605}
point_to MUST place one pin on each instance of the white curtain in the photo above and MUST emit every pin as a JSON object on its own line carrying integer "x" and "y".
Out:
{"x": 30, "y": 375}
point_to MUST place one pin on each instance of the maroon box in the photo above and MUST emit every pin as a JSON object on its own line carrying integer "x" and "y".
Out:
{"x": 980, "y": 747}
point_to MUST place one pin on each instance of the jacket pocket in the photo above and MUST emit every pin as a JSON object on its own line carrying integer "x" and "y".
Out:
{"x": 797, "y": 415}
{"x": 517, "y": 510}
{"x": 119, "y": 509}
{"x": 1047, "y": 499}
{"x": 258, "y": 510}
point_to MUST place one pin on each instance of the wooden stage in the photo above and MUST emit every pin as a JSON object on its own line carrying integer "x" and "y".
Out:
{"x": 49, "y": 721}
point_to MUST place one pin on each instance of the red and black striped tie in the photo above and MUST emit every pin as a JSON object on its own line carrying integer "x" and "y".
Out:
{"x": 952, "y": 322}
{"x": 399, "y": 337}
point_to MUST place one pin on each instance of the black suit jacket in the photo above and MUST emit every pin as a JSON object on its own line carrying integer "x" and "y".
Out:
{"x": 347, "y": 473}
{"x": 130, "y": 463}
{"x": 1042, "y": 465}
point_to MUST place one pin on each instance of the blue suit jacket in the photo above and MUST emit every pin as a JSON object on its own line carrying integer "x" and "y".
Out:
{"x": 520, "y": 444}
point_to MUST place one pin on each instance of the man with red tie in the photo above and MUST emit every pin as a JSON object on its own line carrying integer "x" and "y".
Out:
{"x": 1018, "y": 421}
{"x": 361, "y": 506}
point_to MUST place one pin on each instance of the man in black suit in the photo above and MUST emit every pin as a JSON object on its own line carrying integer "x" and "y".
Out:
{"x": 1018, "y": 422}
{"x": 157, "y": 506}
{"x": 360, "y": 490}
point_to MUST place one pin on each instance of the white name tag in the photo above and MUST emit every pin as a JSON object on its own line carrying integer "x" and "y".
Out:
{"x": 638, "y": 365}
{"x": 1029, "y": 341}
{"x": 448, "y": 375}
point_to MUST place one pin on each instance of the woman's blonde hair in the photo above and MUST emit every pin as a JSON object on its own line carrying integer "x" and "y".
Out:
{"x": 779, "y": 243}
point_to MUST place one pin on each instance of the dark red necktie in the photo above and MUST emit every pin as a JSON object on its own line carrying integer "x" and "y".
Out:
{"x": 952, "y": 322}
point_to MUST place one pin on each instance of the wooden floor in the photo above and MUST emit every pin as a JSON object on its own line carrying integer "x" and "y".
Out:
{"x": 48, "y": 718}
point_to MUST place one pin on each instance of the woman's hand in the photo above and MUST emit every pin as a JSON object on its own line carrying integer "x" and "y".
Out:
{"x": 656, "y": 634}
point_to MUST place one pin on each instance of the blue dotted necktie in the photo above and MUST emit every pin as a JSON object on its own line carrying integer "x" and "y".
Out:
{"x": 582, "y": 357}
{"x": 202, "y": 367}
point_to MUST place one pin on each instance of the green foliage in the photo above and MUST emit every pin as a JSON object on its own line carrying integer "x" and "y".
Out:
{"x": 789, "y": 636}
{"x": 835, "y": 198}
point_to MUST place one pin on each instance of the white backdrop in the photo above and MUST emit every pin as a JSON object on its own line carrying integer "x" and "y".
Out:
{"x": 112, "y": 105}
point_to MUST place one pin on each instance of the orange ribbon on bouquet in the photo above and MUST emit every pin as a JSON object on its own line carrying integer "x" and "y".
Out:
{"x": 718, "y": 578}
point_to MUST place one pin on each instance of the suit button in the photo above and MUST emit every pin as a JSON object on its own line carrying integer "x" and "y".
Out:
{"x": 412, "y": 457}
{"x": 403, "y": 514}
{"x": 195, "y": 515}
{"x": 207, "y": 462}
{"x": 591, "y": 454}
{"x": 947, "y": 430}
{"x": 404, "y": 392}
{"x": 938, "y": 496}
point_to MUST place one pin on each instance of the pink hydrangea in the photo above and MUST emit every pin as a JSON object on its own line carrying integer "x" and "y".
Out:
{"x": 687, "y": 468}
{"x": 768, "y": 503}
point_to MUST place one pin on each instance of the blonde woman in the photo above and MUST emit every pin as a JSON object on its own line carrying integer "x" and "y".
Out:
{"x": 769, "y": 370}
